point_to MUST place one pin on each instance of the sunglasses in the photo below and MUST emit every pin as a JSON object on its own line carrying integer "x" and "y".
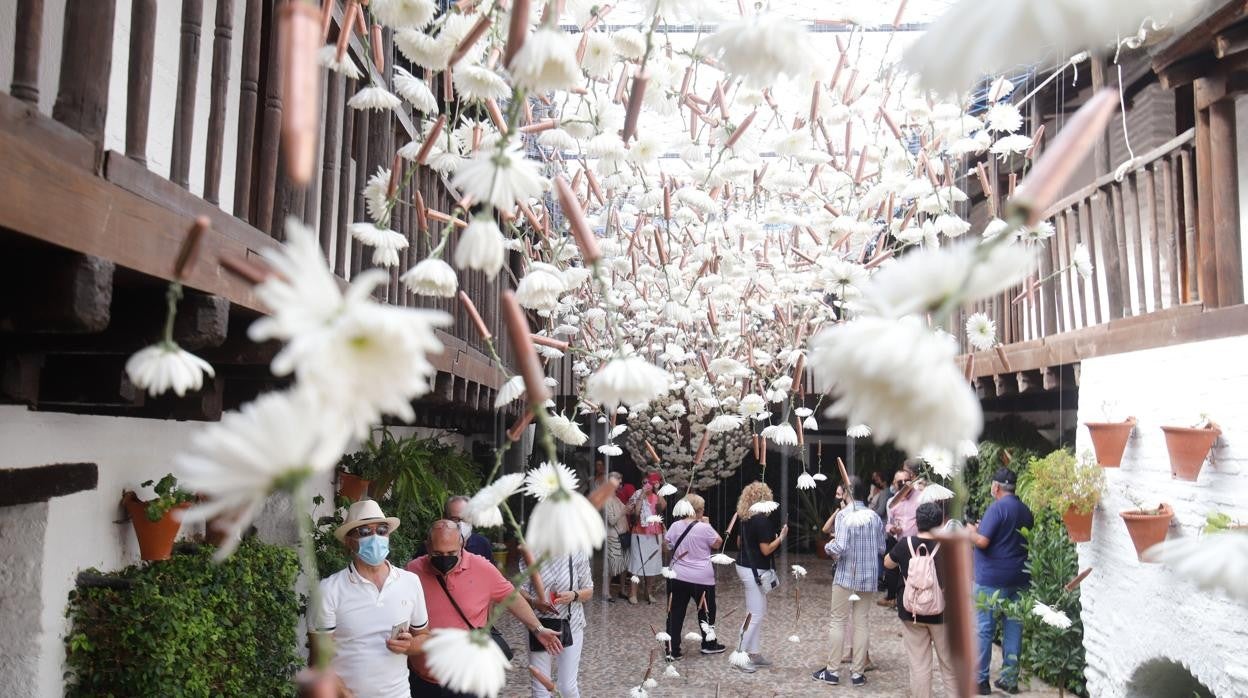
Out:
{"x": 366, "y": 531}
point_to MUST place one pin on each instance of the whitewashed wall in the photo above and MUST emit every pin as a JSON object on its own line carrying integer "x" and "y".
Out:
{"x": 1137, "y": 612}
{"x": 164, "y": 83}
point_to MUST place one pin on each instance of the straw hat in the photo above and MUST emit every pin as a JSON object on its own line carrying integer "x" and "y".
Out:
{"x": 362, "y": 513}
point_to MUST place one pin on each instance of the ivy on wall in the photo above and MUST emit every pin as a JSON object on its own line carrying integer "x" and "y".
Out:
{"x": 187, "y": 626}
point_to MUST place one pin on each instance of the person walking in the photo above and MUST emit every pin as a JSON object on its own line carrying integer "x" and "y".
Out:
{"x": 1001, "y": 570}
{"x": 923, "y": 626}
{"x": 900, "y": 523}
{"x": 692, "y": 542}
{"x": 616, "y": 518}
{"x": 568, "y": 584}
{"x": 857, "y": 546}
{"x": 758, "y": 541}
{"x": 645, "y": 553}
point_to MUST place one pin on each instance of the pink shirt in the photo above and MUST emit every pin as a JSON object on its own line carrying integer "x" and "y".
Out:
{"x": 901, "y": 514}
{"x": 476, "y": 585}
{"x": 692, "y": 560}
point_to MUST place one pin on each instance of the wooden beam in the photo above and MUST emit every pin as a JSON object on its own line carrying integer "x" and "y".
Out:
{"x": 1029, "y": 381}
{"x": 60, "y": 291}
{"x": 1206, "y": 266}
{"x": 43, "y": 482}
{"x": 1225, "y": 246}
{"x": 1199, "y": 37}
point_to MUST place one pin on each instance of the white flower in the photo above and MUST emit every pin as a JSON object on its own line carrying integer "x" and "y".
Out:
{"x": 798, "y": 571}
{"x": 386, "y": 243}
{"x": 629, "y": 43}
{"x": 431, "y": 277}
{"x": 806, "y": 482}
{"x": 722, "y": 559}
{"x": 782, "y": 434}
{"x": 935, "y": 492}
{"x": 764, "y": 507}
{"x": 481, "y": 247}
{"x": 566, "y": 430}
{"x": 1004, "y": 117}
{"x": 467, "y": 661}
{"x": 900, "y": 378}
{"x": 599, "y": 55}
{"x": 981, "y": 332}
{"x": 682, "y": 509}
{"x": 925, "y": 279}
{"x": 482, "y": 509}
{"x": 328, "y": 57}
{"x": 546, "y": 62}
{"x": 668, "y": 489}
{"x": 548, "y": 478}
{"x": 1051, "y": 616}
{"x": 794, "y": 639}
{"x": 634, "y": 579}
{"x": 855, "y": 597}
{"x": 610, "y": 450}
{"x": 724, "y": 423}
{"x": 237, "y": 462}
{"x": 820, "y": 477}
{"x": 165, "y": 366}
{"x": 670, "y": 671}
{"x": 423, "y": 50}
{"x": 662, "y": 636}
{"x": 512, "y": 389}
{"x": 1011, "y": 145}
{"x": 739, "y": 659}
{"x": 751, "y": 404}
{"x": 374, "y": 98}
{"x": 1082, "y": 261}
{"x": 639, "y": 692}
{"x": 627, "y": 381}
{"x": 399, "y": 14}
{"x": 476, "y": 83}
{"x": 761, "y": 48}
{"x": 414, "y": 90}
{"x": 858, "y": 431}
{"x": 652, "y": 519}
{"x": 1217, "y": 561}
{"x": 692, "y": 636}
{"x": 563, "y": 524}
{"x": 499, "y": 178}
{"x": 540, "y": 288}
{"x": 667, "y": 573}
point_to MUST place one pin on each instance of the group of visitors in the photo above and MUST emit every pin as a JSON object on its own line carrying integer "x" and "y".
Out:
{"x": 380, "y": 615}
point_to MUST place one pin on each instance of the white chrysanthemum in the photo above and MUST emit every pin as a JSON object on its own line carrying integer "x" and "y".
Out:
{"x": 670, "y": 672}
{"x": 557, "y": 138}
{"x": 981, "y": 331}
{"x": 682, "y": 509}
{"x": 798, "y": 571}
{"x": 722, "y": 559}
{"x": 639, "y": 692}
{"x": 610, "y": 450}
{"x": 662, "y": 637}
{"x": 855, "y": 597}
{"x": 476, "y": 83}
{"x": 548, "y": 478}
{"x": 540, "y": 288}
{"x": 617, "y": 431}
{"x": 925, "y": 279}
{"x": 761, "y": 48}
{"x": 599, "y": 55}
{"x": 935, "y": 492}
{"x": 765, "y": 507}
{"x": 1051, "y": 616}
{"x": 739, "y": 659}
{"x": 1216, "y": 561}
{"x": 401, "y": 14}
{"x": 566, "y": 430}
{"x": 1082, "y": 261}
{"x": 819, "y": 477}
{"x": 1004, "y": 117}
{"x": 509, "y": 392}
{"x": 629, "y": 43}
{"x": 373, "y": 98}
{"x": 900, "y": 378}
{"x": 431, "y": 277}
{"x": 481, "y": 247}
{"x": 782, "y": 434}
{"x": 483, "y": 509}
{"x": 858, "y": 518}
{"x": 806, "y": 482}
{"x": 627, "y": 381}
{"x": 724, "y": 423}
{"x": 499, "y": 178}
{"x": 385, "y": 242}
{"x": 423, "y": 50}
{"x": 693, "y": 637}
{"x": 810, "y": 424}
{"x": 466, "y": 661}
{"x": 564, "y": 524}
{"x": 237, "y": 462}
{"x": 751, "y": 404}
{"x": 667, "y": 490}
{"x": 546, "y": 62}
{"x": 652, "y": 519}
{"x": 794, "y": 639}
{"x": 165, "y": 366}
{"x": 376, "y": 194}
{"x": 328, "y": 57}
{"x": 858, "y": 431}
{"x": 667, "y": 573}
{"x": 415, "y": 91}
{"x": 1011, "y": 145}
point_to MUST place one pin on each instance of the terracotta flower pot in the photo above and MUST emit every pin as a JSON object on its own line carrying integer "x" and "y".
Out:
{"x": 155, "y": 537}
{"x": 1188, "y": 448}
{"x": 1109, "y": 440}
{"x": 1078, "y": 526}
{"x": 352, "y": 487}
{"x": 1147, "y": 530}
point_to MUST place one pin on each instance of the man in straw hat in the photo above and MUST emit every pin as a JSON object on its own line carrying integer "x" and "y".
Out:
{"x": 375, "y": 610}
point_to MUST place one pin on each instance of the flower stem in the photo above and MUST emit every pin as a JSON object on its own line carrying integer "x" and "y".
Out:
{"x": 322, "y": 643}
{"x": 172, "y": 296}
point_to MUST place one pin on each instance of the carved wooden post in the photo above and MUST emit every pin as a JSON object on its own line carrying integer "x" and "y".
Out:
{"x": 86, "y": 57}
{"x": 188, "y": 80}
{"x": 346, "y": 184}
{"x": 139, "y": 80}
{"x": 1226, "y": 244}
{"x": 29, "y": 32}
{"x": 270, "y": 133}
{"x": 248, "y": 88}
{"x": 222, "y": 38}
{"x": 329, "y": 161}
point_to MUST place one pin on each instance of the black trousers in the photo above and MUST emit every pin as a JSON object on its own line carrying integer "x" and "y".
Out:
{"x": 892, "y": 578}
{"x": 682, "y": 593}
{"x": 423, "y": 689}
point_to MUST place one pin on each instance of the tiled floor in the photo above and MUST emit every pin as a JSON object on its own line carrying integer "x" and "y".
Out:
{"x": 619, "y": 639}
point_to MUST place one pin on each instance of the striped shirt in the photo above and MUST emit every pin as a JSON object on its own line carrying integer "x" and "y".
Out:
{"x": 555, "y": 578}
{"x": 857, "y": 548}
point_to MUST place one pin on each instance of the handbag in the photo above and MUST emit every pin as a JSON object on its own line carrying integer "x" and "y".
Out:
{"x": 495, "y": 634}
{"x": 626, "y": 541}
{"x": 768, "y": 581}
{"x": 563, "y": 626}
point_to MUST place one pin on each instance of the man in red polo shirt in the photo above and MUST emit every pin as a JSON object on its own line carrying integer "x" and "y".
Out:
{"x": 453, "y": 577}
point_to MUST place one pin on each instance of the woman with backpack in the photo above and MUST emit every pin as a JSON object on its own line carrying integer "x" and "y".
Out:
{"x": 921, "y": 602}
{"x": 692, "y": 541}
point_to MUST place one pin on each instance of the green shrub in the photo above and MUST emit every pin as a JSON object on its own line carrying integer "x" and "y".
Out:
{"x": 1059, "y": 482}
{"x": 187, "y": 626}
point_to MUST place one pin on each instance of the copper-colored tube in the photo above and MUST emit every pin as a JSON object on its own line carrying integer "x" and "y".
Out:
{"x": 522, "y": 347}
{"x": 190, "y": 246}
{"x": 517, "y": 30}
{"x": 549, "y": 342}
{"x": 299, "y": 36}
{"x": 706, "y": 440}
{"x": 379, "y": 58}
{"x": 344, "y": 29}
{"x": 430, "y": 139}
{"x": 472, "y": 37}
{"x": 581, "y": 232}
{"x": 635, "y": 97}
{"x": 473, "y": 315}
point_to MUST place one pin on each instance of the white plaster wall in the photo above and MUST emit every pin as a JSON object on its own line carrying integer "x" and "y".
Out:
{"x": 164, "y": 83}
{"x": 1134, "y": 612}
{"x": 82, "y": 529}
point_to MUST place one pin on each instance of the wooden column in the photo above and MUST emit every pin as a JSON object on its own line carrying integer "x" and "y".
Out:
{"x": 222, "y": 39}
{"x": 1203, "y": 252}
{"x": 139, "y": 80}
{"x": 248, "y": 95}
{"x": 329, "y": 161}
{"x": 1225, "y": 243}
{"x": 86, "y": 58}
{"x": 1101, "y": 153}
{"x": 346, "y": 185}
{"x": 362, "y": 173}
{"x": 188, "y": 82}
{"x": 29, "y": 32}
{"x": 270, "y": 133}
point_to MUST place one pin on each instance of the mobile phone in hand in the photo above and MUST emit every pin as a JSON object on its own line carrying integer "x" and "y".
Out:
{"x": 399, "y": 628}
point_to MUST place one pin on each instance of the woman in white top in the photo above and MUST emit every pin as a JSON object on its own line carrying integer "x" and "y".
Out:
{"x": 569, "y": 585}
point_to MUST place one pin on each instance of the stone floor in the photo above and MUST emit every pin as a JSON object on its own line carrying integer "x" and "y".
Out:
{"x": 619, "y": 639}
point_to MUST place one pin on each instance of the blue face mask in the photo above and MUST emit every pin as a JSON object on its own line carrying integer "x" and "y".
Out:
{"x": 374, "y": 549}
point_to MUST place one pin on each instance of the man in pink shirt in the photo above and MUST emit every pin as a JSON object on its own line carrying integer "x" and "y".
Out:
{"x": 901, "y": 520}
{"x": 460, "y": 589}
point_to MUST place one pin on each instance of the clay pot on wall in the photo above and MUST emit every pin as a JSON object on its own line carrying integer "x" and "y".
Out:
{"x": 353, "y": 487}
{"x": 1078, "y": 526}
{"x": 155, "y": 537}
{"x": 1188, "y": 448}
{"x": 1109, "y": 440}
{"x": 1147, "y": 529}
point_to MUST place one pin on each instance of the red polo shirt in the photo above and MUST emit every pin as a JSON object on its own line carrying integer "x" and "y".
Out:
{"x": 476, "y": 585}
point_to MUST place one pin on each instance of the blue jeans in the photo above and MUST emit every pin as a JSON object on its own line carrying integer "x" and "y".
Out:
{"x": 1011, "y": 636}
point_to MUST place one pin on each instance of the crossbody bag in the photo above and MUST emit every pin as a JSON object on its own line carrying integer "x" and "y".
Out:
{"x": 495, "y": 635}
{"x": 563, "y": 626}
{"x": 768, "y": 580}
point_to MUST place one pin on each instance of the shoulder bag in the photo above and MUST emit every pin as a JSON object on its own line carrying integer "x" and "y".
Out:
{"x": 563, "y": 626}
{"x": 767, "y": 580}
{"x": 495, "y": 635}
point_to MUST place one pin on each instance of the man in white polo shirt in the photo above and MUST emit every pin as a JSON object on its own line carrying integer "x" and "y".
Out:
{"x": 375, "y": 610}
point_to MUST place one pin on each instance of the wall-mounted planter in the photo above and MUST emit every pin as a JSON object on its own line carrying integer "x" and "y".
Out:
{"x": 1188, "y": 448}
{"x": 353, "y": 487}
{"x": 1078, "y": 526}
{"x": 155, "y": 537}
{"x": 1109, "y": 440}
{"x": 1147, "y": 530}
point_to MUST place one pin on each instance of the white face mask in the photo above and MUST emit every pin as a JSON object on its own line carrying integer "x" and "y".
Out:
{"x": 465, "y": 529}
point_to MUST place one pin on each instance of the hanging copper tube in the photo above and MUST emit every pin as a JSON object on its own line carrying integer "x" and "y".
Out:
{"x": 344, "y": 30}
{"x": 535, "y": 573}
{"x": 327, "y": 18}
{"x": 472, "y": 37}
{"x": 422, "y": 213}
{"x": 496, "y": 116}
{"x": 396, "y": 171}
{"x": 956, "y": 569}
{"x": 653, "y": 454}
{"x": 756, "y": 454}
{"x": 253, "y": 272}
{"x": 516, "y": 430}
{"x": 706, "y": 440}
{"x": 970, "y": 368}
{"x": 473, "y": 315}
{"x": 602, "y": 493}
{"x": 581, "y": 232}
{"x": 517, "y": 30}
{"x": 1005, "y": 362}
{"x": 189, "y": 249}
{"x": 379, "y": 58}
{"x": 740, "y": 130}
{"x": 635, "y": 97}
{"x": 430, "y": 139}
{"x": 1049, "y": 174}
{"x": 299, "y": 36}
{"x": 538, "y": 127}
{"x": 549, "y": 342}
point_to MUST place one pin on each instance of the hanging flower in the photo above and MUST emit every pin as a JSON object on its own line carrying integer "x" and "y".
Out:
{"x": 760, "y": 48}
{"x": 563, "y": 524}
{"x": 935, "y": 492}
{"x": 858, "y": 431}
{"x": 782, "y": 434}
{"x": 546, "y": 62}
{"x": 466, "y": 661}
{"x": 805, "y": 481}
{"x": 794, "y": 639}
{"x": 399, "y": 14}
{"x": 667, "y": 490}
{"x": 549, "y": 478}
{"x": 627, "y": 380}
{"x": 541, "y": 287}
{"x": 415, "y": 91}
{"x": 566, "y": 430}
{"x": 386, "y": 243}
{"x": 667, "y": 573}
{"x": 1082, "y": 261}
{"x": 373, "y": 98}
{"x": 722, "y": 559}
{"x": 926, "y": 279}
{"x": 765, "y": 507}
{"x": 480, "y": 247}
{"x": 981, "y": 332}
{"x": 682, "y": 509}
{"x": 1051, "y": 616}
{"x": 165, "y": 366}
{"x": 431, "y": 277}
{"x": 499, "y": 178}
{"x": 483, "y": 509}
{"x": 739, "y": 659}
{"x": 799, "y": 572}
{"x": 724, "y": 423}
{"x": 475, "y": 83}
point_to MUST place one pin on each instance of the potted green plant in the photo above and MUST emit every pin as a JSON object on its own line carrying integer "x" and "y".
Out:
{"x": 1147, "y": 525}
{"x": 355, "y": 473}
{"x": 1070, "y": 487}
{"x": 1188, "y": 447}
{"x": 157, "y": 521}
